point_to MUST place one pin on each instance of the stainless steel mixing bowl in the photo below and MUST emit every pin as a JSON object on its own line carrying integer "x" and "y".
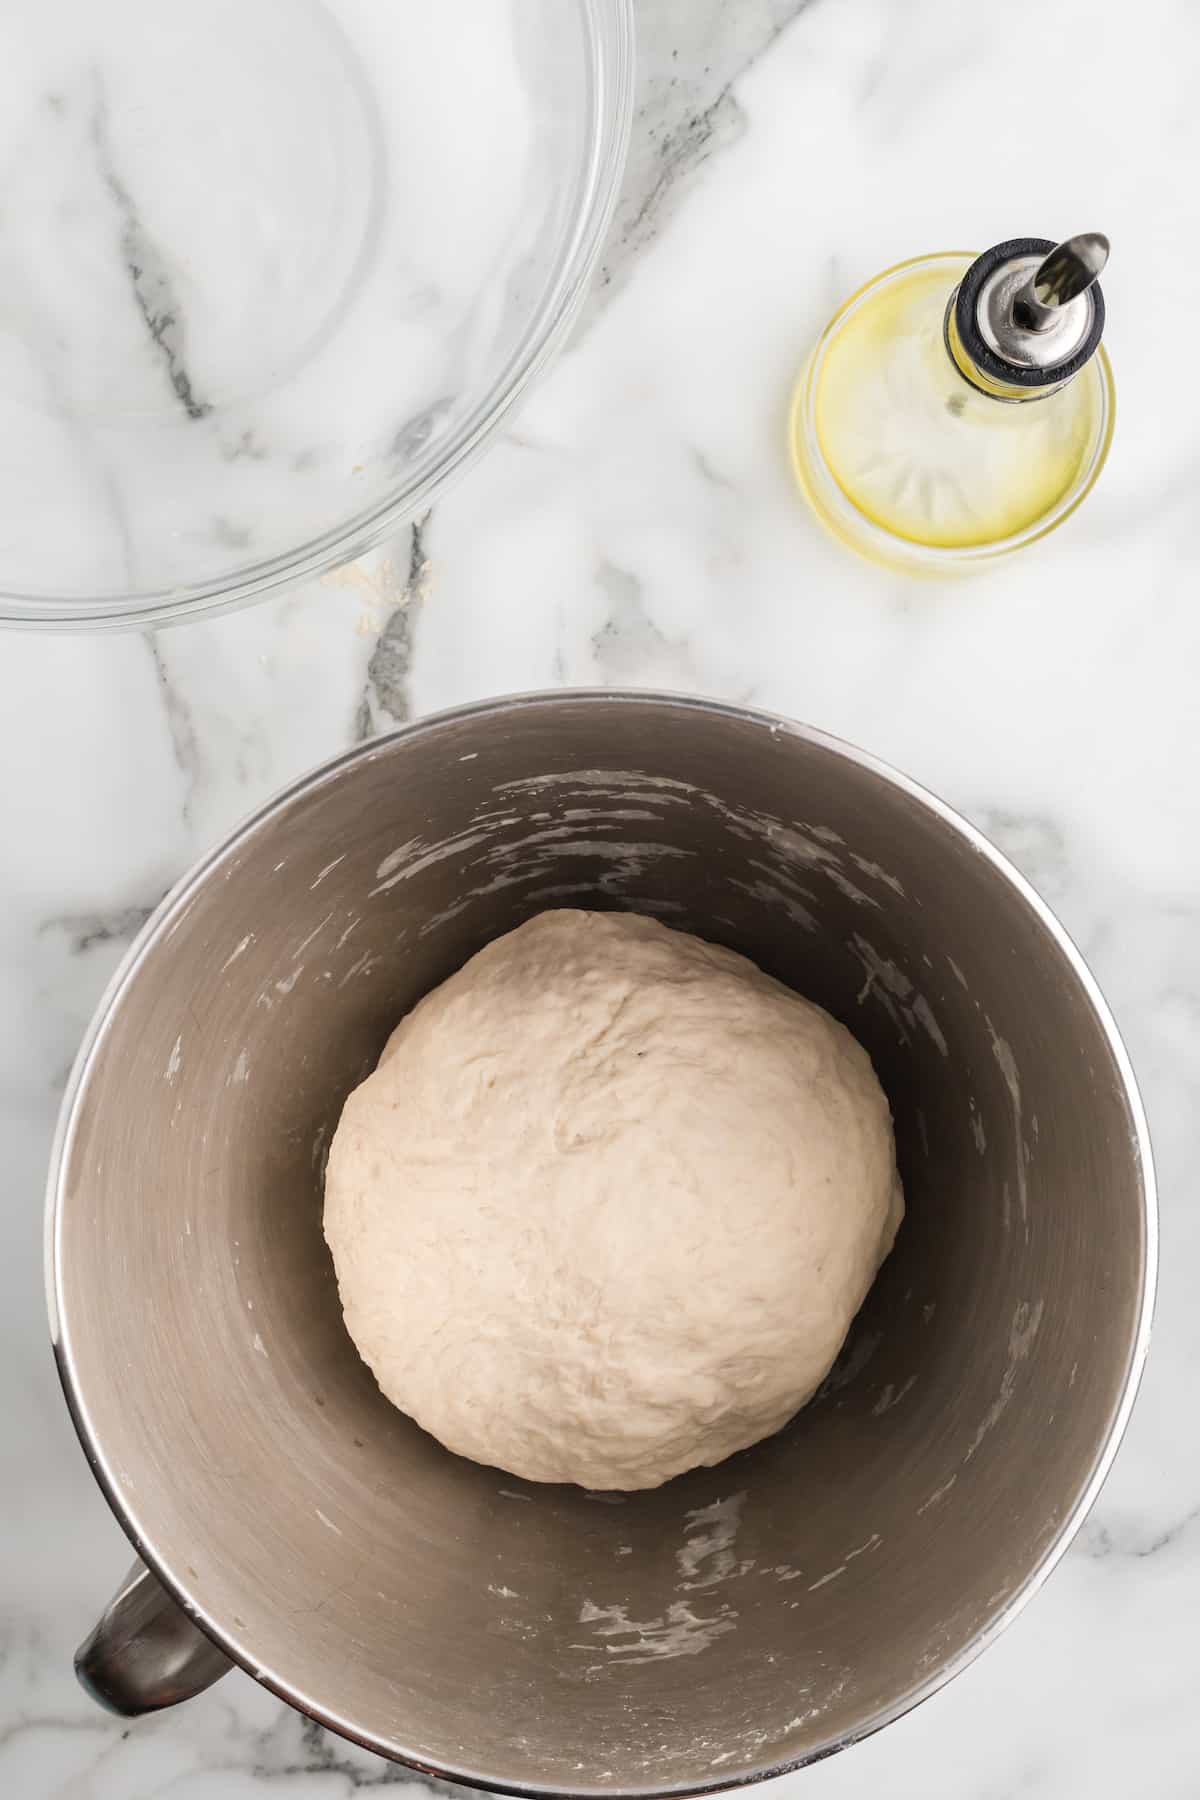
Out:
{"x": 743, "y": 1619}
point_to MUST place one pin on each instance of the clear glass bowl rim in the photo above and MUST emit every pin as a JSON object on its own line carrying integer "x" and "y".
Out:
{"x": 612, "y": 44}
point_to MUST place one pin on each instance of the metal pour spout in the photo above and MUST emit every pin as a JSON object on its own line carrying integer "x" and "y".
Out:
{"x": 1068, "y": 271}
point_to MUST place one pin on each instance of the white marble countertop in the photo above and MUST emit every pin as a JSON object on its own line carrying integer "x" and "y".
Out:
{"x": 638, "y": 525}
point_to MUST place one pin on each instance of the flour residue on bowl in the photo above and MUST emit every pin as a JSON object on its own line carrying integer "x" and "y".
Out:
{"x": 532, "y": 856}
{"x": 888, "y": 985}
{"x": 824, "y": 1580}
{"x": 1026, "y": 1323}
{"x": 507, "y": 845}
{"x": 677, "y": 1631}
{"x": 939, "y": 1493}
{"x": 891, "y": 1395}
{"x": 875, "y": 873}
{"x": 977, "y": 1131}
{"x": 327, "y": 870}
{"x": 239, "y": 949}
{"x": 408, "y": 859}
{"x": 1007, "y": 1063}
{"x": 707, "y": 1556}
{"x": 362, "y": 965}
{"x": 811, "y": 847}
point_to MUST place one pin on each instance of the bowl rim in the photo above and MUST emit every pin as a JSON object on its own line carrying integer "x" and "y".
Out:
{"x": 612, "y": 55}
{"x": 159, "y": 924}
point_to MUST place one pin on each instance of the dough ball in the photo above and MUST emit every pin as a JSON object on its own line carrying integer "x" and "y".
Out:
{"x": 609, "y": 1203}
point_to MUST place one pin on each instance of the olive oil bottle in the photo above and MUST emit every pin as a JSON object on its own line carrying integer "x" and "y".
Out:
{"x": 959, "y": 407}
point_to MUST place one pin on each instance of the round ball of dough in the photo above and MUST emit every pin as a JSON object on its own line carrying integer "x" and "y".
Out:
{"x": 608, "y": 1204}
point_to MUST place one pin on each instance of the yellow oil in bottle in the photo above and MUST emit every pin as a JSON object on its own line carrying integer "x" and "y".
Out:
{"x": 895, "y": 448}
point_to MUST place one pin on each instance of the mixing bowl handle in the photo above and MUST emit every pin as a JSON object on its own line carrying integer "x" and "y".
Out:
{"x": 145, "y": 1652}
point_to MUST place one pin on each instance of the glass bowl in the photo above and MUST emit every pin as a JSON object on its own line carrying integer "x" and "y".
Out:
{"x": 274, "y": 271}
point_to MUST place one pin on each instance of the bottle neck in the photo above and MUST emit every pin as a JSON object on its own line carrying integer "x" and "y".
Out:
{"x": 991, "y": 382}
{"x": 997, "y": 348}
